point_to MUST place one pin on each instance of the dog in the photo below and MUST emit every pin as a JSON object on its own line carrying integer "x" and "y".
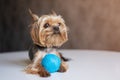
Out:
{"x": 48, "y": 33}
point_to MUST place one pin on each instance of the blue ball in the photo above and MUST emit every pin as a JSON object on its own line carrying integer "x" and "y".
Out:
{"x": 51, "y": 62}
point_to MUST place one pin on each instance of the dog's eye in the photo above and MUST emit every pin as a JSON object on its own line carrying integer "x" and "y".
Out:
{"x": 59, "y": 24}
{"x": 46, "y": 25}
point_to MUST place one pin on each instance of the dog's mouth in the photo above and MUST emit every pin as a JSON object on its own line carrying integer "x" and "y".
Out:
{"x": 56, "y": 32}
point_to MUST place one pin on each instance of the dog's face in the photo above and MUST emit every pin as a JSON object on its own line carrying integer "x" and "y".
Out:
{"x": 49, "y": 30}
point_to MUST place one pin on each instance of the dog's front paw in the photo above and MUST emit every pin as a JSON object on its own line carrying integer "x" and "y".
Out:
{"x": 44, "y": 73}
{"x": 62, "y": 69}
{"x": 31, "y": 70}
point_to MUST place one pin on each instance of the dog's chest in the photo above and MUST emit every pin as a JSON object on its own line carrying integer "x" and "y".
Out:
{"x": 41, "y": 54}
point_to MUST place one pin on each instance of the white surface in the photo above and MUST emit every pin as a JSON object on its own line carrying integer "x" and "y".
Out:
{"x": 85, "y": 65}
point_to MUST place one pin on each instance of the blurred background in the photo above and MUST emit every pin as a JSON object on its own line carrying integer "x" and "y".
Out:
{"x": 94, "y": 24}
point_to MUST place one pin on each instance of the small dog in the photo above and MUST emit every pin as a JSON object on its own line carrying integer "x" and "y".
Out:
{"x": 48, "y": 32}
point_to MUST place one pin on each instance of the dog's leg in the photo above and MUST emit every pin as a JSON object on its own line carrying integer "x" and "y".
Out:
{"x": 33, "y": 68}
{"x": 63, "y": 58}
{"x": 42, "y": 72}
{"x": 36, "y": 67}
{"x": 63, "y": 67}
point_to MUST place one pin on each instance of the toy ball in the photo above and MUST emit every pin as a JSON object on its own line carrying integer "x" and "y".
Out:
{"x": 51, "y": 63}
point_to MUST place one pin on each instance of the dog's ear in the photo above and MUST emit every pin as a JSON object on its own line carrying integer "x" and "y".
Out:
{"x": 54, "y": 13}
{"x": 34, "y": 16}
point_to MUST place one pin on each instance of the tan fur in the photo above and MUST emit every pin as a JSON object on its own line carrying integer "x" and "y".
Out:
{"x": 33, "y": 68}
{"x": 30, "y": 70}
{"x": 63, "y": 67}
{"x": 45, "y": 37}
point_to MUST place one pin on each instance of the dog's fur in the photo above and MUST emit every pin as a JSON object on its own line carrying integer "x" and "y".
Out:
{"x": 48, "y": 32}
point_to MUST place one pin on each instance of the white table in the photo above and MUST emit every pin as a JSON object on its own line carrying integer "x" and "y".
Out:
{"x": 85, "y": 65}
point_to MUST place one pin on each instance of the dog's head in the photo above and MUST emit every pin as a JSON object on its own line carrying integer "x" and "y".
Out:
{"x": 48, "y": 30}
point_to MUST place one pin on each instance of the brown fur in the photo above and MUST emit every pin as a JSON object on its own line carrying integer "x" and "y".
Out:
{"x": 33, "y": 70}
{"x": 63, "y": 67}
{"x": 39, "y": 69}
{"x": 42, "y": 72}
{"x": 46, "y": 37}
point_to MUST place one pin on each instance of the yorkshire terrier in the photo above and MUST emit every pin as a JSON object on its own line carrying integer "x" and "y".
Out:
{"x": 48, "y": 32}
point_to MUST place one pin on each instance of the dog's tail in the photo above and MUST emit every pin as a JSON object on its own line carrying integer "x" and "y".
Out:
{"x": 64, "y": 58}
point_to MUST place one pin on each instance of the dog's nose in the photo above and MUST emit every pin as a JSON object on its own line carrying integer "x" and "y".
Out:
{"x": 56, "y": 28}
